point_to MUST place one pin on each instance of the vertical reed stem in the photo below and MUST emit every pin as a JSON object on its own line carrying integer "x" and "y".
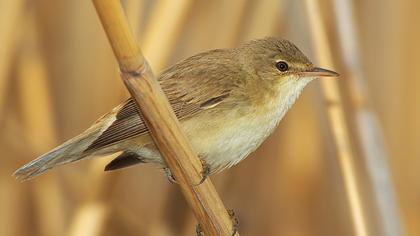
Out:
{"x": 10, "y": 11}
{"x": 369, "y": 133}
{"x": 162, "y": 122}
{"x": 337, "y": 120}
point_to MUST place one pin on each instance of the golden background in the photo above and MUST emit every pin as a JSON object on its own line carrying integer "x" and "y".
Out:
{"x": 58, "y": 75}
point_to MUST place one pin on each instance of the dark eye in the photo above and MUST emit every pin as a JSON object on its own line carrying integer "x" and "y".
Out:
{"x": 282, "y": 66}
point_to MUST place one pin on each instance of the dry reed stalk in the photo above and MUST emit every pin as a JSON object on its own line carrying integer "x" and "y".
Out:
{"x": 10, "y": 11}
{"x": 233, "y": 13}
{"x": 10, "y": 194}
{"x": 13, "y": 212}
{"x": 14, "y": 198}
{"x": 369, "y": 133}
{"x": 162, "y": 38}
{"x": 400, "y": 85}
{"x": 135, "y": 14}
{"x": 134, "y": 10}
{"x": 89, "y": 220}
{"x": 94, "y": 205}
{"x": 264, "y": 19}
{"x": 161, "y": 121}
{"x": 90, "y": 217}
{"x": 38, "y": 123}
{"x": 175, "y": 15}
{"x": 337, "y": 120}
{"x": 34, "y": 89}
{"x": 163, "y": 29}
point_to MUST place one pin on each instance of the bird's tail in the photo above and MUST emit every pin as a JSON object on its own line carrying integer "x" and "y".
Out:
{"x": 70, "y": 151}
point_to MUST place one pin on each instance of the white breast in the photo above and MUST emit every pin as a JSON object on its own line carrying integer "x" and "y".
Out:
{"x": 246, "y": 134}
{"x": 223, "y": 145}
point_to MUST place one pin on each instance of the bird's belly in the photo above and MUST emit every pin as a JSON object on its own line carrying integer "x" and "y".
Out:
{"x": 224, "y": 144}
{"x": 220, "y": 144}
{"x": 226, "y": 136}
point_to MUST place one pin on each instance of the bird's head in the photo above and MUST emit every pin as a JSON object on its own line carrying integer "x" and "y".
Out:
{"x": 280, "y": 60}
{"x": 277, "y": 71}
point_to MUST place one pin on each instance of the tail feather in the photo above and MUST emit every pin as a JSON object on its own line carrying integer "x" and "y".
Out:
{"x": 42, "y": 164}
{"x": 70, "y": 151}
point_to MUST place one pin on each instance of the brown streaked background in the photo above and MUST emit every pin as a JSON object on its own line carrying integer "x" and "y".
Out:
{"x": 58, "y": 75}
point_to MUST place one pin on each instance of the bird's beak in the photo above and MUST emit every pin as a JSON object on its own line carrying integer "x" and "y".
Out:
{"x": 319, "y": 72}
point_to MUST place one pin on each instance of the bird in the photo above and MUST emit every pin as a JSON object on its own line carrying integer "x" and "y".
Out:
{"x": 228, "y": 101}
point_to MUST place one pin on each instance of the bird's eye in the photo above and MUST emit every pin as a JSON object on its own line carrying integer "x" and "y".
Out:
{"x": 282, "y": 66}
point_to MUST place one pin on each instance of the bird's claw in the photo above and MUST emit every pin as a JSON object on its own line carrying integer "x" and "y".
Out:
{"x": 199, "y": 230}
{"x": 205, "y": 171}
{"x": 169, "y": 175}
{"x": 235, "y": 224}
{"x": 235, "y": 221}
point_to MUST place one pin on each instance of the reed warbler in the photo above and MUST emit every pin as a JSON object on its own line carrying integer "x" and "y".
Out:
{"x": 227, "y": 100}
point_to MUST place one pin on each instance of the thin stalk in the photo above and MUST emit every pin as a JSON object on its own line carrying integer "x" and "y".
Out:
{"x": 369, "y": 133}
{"x": 163, "y": 29}
{"x": 38, "y": 124}
{"x": 10, "y": 11}
{"x": 89, "y": 220}
{"x": 232, "y": 14}
{"x": 90, "y": 217}
{"x": 134, "y": 10}
{"x": 161, "y": 33}
{"x": 162, "y": 122}
{"x": 264, "y": 19}
{"x": 337, "y": 121}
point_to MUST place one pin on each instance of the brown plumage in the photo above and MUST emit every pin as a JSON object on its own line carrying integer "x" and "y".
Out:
{"x": 228, "y": 102}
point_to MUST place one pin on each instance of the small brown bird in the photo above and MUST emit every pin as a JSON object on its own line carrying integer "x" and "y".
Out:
{"x": 227, "y": 100}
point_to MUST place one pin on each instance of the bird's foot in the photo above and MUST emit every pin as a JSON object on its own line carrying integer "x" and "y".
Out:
{"x": 169, "y": 175}
{"x": 199, "y": 230}
{"x": 235, "y": 221}
{"x": 235, "y": 224}
{"x": 205, "y": 171}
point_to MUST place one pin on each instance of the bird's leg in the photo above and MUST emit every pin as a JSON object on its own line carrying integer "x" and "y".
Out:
{"x": 235, "y": 221}
{"x": 199, "y": 230}
{"x": 235, "y": 224}
{"x": 205, "y": 171}
{"x": 169, "y": 175}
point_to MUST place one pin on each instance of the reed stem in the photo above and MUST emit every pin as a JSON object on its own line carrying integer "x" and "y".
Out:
{"x": 161, "y": 121}
{"x": 337, "y": 121}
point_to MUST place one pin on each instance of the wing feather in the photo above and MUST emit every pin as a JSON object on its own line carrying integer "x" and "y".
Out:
{"x": 186, "y": 94}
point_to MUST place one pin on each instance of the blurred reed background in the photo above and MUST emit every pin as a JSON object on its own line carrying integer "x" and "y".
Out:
{"x": 58, "y": 74}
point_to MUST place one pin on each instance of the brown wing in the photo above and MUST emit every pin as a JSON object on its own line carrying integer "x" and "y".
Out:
{"x": 129, "y": 123}
{"x": 188, "y": 91}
